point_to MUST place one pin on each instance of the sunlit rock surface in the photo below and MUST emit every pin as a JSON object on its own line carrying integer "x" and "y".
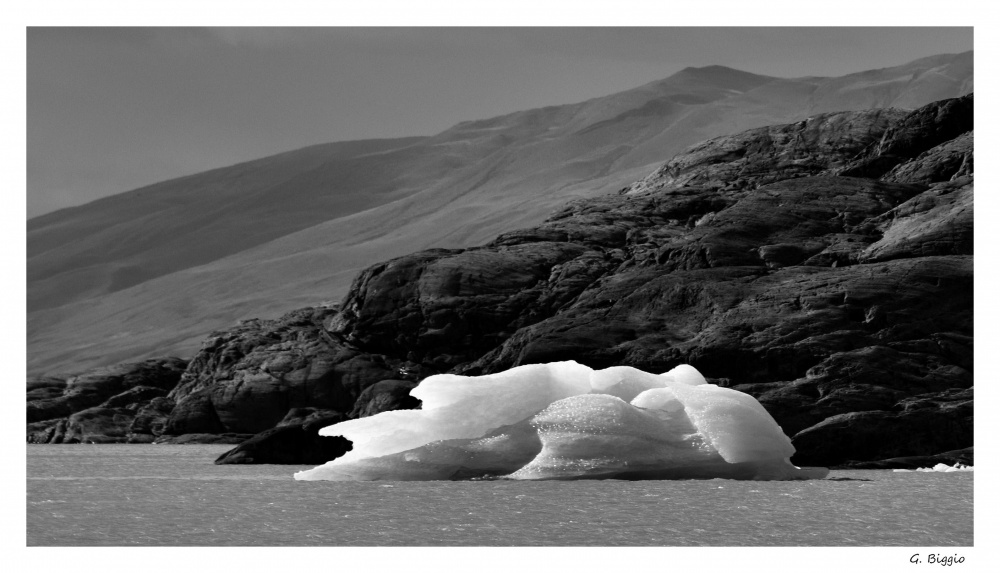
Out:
{"x": 564, "y": 420}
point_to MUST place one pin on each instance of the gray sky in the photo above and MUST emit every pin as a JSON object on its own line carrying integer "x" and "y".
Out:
{"x": 112, "y": 109}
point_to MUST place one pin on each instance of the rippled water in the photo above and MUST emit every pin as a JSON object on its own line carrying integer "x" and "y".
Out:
{"x": 174, "y": 495}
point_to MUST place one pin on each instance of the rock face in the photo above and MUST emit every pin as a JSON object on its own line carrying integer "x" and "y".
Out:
{"x": 934, "y": 422}
{"x": 288, "y": 372}
{"x": 759, "y": 156}
{"x": 915, "y": 134}
{"x": 443, "y": 308}
{"x": 965, "y": 457}
{"x": 122, "y": 403}
{"x": 824, "y": 267}
{"x": 249, "y": 378}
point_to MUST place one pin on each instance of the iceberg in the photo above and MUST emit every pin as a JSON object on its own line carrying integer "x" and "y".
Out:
{"x": 564, "y": 420}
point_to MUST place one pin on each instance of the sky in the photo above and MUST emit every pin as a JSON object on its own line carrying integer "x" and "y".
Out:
{"x": 114, "y": 109}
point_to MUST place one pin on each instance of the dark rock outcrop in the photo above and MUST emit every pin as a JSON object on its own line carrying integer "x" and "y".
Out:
{"x": 946, "y": 162}
{"x": 939, "y": 221}
{"x": 287, "y": 445}
{"x": 152, "y": 418}
{"x": 747, "y": 160}
{"x": 249, "y": 378}
{"x": 106, "y": 405}
{"x": 50, "y": 397}
{"x": 965, "y": 457}
{"x": 286, "y": 378}
{"x": 915, "y": 134}
{"x": 45, "y": 388}
{"x": 445, "y": 307}
{"x": 915, "y": 426}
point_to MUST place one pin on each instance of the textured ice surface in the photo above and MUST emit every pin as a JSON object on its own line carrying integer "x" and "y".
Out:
{"x": 566, "y": 421}
{"x": 942, "y": 468}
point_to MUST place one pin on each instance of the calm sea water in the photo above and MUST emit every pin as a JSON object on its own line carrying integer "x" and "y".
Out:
{"x": 115, "y": 495}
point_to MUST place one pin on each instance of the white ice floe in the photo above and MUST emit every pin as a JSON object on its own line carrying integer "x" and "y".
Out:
{"x": 564, "y": 420}
{"x": 942, "y": 468}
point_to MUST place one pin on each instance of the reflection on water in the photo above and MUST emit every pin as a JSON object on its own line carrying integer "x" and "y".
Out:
{"x": 174, "y": 495}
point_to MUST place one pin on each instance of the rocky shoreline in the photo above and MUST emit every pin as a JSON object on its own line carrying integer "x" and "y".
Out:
{"x": 824, "y": 267}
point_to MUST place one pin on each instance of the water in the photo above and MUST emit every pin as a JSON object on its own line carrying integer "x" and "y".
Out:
{"x": 119, "y": 495}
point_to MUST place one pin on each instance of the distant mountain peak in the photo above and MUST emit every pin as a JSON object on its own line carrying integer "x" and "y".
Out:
{"x": 715, "y": 68}
{"x": 721, "y": 76}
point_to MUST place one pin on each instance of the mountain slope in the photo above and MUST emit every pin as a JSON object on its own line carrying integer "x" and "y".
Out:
{"x": 149, "y": 271}
{"x": 123, "y": 240}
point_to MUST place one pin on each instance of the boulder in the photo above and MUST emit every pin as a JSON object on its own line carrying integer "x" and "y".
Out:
{"x": 385, "y": 396}
{"x": 287, "y": 445}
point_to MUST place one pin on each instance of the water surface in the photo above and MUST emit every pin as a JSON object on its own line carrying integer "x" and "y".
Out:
{"x": 119, "y": 495}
